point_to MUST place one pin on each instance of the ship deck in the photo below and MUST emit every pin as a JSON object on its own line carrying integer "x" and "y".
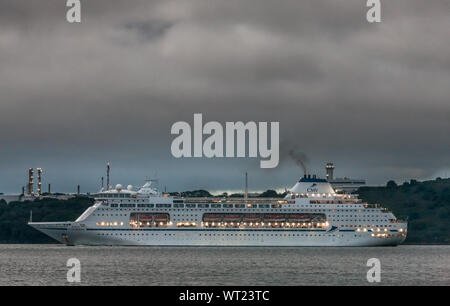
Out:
{"x": 212, "y": 200}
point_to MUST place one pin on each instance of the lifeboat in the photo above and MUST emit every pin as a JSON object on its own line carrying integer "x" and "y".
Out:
{"x": 161, "y": 218}
{"x": 299, "y": 218}
{"x": 145, "y": 218}
{"x": 318, "y": 218}
{"x": 274, "y": 218}
{"x": 232, "y": 218}
{"x": 212, "y": 218}
{"x": 251, "y": 218}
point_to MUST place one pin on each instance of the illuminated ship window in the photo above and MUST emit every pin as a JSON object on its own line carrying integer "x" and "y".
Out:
{"x": 149, "y": 220}
{"x": 110, "y": 223}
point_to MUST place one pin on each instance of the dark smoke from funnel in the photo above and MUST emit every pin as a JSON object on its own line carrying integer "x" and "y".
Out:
{"x": 300, "y": 159}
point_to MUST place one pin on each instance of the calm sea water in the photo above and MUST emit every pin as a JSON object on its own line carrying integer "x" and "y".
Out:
{"x": 46, "y": 265}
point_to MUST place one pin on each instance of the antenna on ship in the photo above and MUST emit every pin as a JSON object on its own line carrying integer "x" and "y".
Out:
{"x": 152, "y": 180}
{"x": 246, "y": 187}
{"x": 108, "y": 169}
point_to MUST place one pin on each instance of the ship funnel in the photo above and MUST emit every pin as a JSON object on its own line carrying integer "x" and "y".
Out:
{"x": 312, "y": 185}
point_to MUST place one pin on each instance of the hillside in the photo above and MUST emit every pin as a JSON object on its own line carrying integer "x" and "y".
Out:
{"x": 14, "y": 217}
{"x": 426, "y": 204}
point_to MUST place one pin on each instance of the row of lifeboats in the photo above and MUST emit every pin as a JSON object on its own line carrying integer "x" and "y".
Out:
{"x": 308, "y": 225}
{"x": 146, "y": 217}
{"x": 212, "y": 217}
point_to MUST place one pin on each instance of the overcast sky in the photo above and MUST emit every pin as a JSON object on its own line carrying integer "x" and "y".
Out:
{"x": 372, "y": 98}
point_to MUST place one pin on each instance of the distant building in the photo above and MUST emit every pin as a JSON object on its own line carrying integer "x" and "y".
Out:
{"x": 342, "y": 185}
{"x": 10, "y": 197}
{"x": 30, "y": 195}
{"x": 22, "y": 198}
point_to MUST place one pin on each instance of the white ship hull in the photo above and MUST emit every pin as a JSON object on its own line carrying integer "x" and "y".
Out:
{"x": 310, "y": 215}
{"x": 73, "y": 235}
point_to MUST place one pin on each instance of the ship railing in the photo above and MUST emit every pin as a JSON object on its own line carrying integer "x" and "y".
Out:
{"x": 400, "y": 220}
{"x": 350, "y": 196}
{"x": 210, "y": 200}
{"x": 334, "y": 201}
{"x": 372, "y": 206}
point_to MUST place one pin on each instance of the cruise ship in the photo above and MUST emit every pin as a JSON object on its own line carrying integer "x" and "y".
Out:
{"x": 311, "y": 214}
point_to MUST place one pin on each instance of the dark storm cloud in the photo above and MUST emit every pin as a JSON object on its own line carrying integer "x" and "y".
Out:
{"x": 149, "y": 30}
{"x": 373, "y": 98}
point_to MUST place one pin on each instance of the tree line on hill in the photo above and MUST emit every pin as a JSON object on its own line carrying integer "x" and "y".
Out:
{"x": 15, "y": 216}
{"x": 425, "y": 204}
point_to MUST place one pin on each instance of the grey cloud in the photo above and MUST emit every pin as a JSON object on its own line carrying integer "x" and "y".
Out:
{"x": 149, "y": 30}
{"x": 373, "y": 98}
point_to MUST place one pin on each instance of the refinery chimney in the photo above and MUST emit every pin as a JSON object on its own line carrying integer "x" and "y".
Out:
{"x": 30, "y": 181}
{"x": 330, "y": 169}
{"x": 39, "y": 187}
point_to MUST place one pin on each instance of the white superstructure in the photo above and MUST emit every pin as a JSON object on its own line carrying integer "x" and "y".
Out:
{"x": 312, "y": 214}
